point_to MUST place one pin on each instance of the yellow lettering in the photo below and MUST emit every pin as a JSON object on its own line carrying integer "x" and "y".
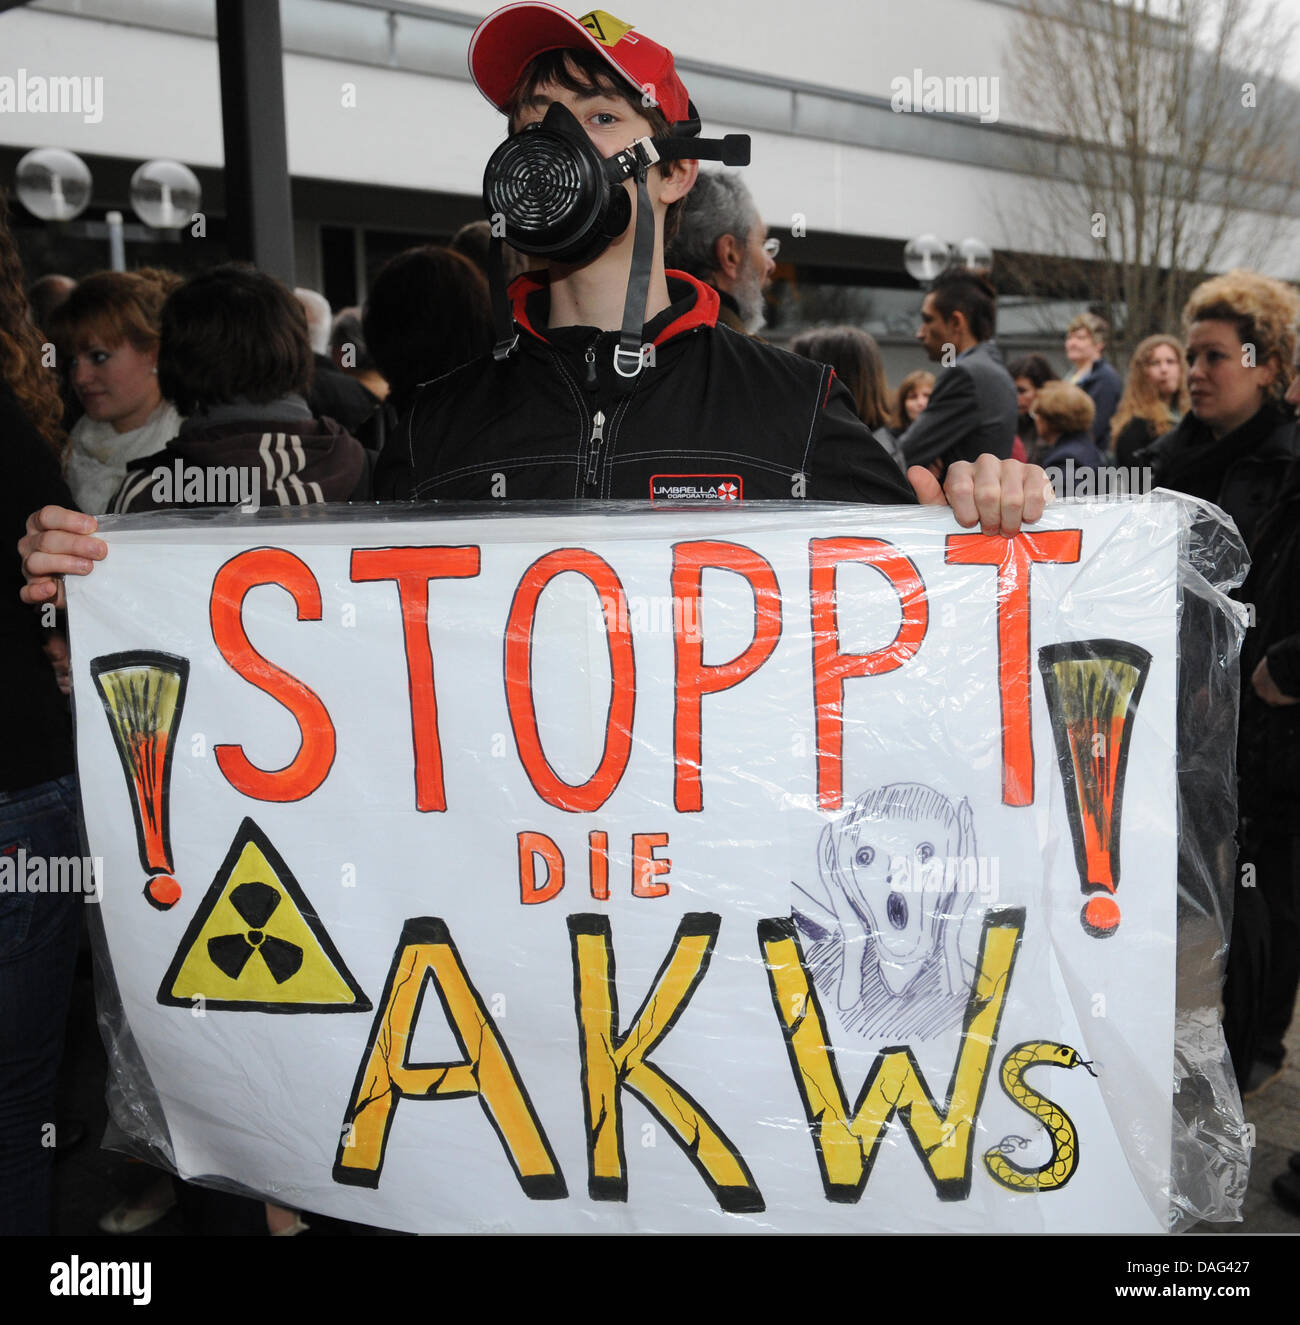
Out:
{"x": 610, "y": 1062}
{"x": 847, "y": 1144}
{"x": 425, "y": 952}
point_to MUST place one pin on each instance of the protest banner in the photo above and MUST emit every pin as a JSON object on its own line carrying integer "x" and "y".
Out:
{"x": 774, "y": 868}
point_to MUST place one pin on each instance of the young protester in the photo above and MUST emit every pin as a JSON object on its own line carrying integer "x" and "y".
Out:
{"x": 106, "y": 334}
{"x": 1155, "y": 397}
{"x": 557, "y": 416}
{"x": 560, "y": 414}
{"x": 972, "y": 410}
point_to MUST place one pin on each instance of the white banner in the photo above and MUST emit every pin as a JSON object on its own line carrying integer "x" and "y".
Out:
{"x": 785, "y": 868}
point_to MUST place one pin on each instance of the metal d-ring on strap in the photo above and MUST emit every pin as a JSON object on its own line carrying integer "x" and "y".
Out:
{"x": 628, "y": 350}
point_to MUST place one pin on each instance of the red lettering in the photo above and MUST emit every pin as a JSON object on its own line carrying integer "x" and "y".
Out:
{"x": 598, "y": 788}
{"x": 598, "y": 864}
{"x": 645, "y": 867}
{"x": 1013, "y": 558}
{"x": 531, "y": 847}
{"x": 695, "y": 678}
{"x": 412, "y": 568}
{"x": 311, "y": 765}
{"x": 831, "y": 668}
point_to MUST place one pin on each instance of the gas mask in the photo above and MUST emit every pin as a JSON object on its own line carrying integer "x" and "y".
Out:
{"x": 548, "y": 191}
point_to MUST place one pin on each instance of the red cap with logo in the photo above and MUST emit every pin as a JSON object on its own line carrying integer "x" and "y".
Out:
{"x": 504, "y": 43}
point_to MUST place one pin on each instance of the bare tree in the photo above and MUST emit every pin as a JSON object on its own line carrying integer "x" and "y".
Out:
{"x": 1166, "y": 140}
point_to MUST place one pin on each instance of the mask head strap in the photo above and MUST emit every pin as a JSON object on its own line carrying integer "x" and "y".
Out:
{"x": 503, "y": 321}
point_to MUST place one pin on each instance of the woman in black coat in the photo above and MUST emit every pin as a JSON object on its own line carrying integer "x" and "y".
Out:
{"x": 1239, "y": 448}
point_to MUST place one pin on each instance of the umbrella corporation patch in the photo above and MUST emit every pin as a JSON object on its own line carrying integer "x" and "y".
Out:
{"x": 696, "y": 487}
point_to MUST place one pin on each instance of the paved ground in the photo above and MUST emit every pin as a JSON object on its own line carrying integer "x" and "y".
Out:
{"x": 90, "y": 1180}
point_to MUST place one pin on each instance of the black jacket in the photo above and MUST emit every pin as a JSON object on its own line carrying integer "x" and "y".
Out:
{"x": 295, "y": 463}
{"x": 1135, "y": 436}
{"x": 972, "y": 411}
{"x": 1241, "y": 472}
{"x": 1253, "y": 473}
{"x": 1105, "y": 386}
{"x": 716, "y": 416}
{"x": 335, "y": 395}
{"x": 37, "y": 744}
{"x": 1269, "y": 744}
{"x": 1077, "y": 447}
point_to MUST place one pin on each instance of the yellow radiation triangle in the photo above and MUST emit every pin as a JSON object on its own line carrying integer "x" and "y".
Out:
{"x": 256, "y": 944}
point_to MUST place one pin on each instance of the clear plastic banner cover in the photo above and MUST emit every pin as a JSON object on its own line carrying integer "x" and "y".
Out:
{"x": 781, "y": 868}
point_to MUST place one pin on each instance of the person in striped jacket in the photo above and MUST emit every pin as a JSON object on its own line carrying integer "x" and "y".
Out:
{"x": 235, "y": 359}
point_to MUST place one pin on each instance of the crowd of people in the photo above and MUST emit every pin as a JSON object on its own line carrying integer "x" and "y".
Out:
{"x": 404, "y": 399}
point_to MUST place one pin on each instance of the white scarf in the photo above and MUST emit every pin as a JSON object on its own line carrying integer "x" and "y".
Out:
{"x": 97, "y": 456}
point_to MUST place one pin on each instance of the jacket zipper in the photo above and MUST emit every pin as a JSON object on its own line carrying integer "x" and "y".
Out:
{"x": 597, "y": 436}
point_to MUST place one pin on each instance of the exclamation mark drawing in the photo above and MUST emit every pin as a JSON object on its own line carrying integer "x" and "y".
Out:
{"x": 143, "y": 694}
{"x": 1093, "y": 688}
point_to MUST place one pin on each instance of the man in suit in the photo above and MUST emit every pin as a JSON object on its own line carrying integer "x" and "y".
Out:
{"x": 972, "y": 409}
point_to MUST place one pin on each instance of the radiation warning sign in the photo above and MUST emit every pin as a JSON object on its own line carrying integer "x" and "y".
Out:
{"x": 256, "y": 944}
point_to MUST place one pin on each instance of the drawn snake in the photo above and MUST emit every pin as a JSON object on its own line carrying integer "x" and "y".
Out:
{"x": 1065, "y": 1142}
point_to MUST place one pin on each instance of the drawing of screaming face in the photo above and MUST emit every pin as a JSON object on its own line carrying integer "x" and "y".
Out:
{"x": 891, "y": 866}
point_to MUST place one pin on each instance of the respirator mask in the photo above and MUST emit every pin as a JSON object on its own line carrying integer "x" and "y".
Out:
{"x": 549, "y": 192}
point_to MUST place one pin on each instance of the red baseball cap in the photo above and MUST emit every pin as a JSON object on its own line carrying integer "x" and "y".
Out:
{"x": 504, "y": 43}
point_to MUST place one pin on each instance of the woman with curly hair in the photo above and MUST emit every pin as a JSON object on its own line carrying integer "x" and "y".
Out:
{"x": 38, "y": 793}
{"x": 107, "y": 333}
{"x": 1238, "y": 447}
{"x": 1155, "y": 397}
{"x": 1235, "y": 445}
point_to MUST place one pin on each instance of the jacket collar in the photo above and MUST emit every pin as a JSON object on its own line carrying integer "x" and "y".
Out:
{"x": 1268, "y": 434}
{"x": 694, "y": 304}
{"x": 988, "y": 347}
